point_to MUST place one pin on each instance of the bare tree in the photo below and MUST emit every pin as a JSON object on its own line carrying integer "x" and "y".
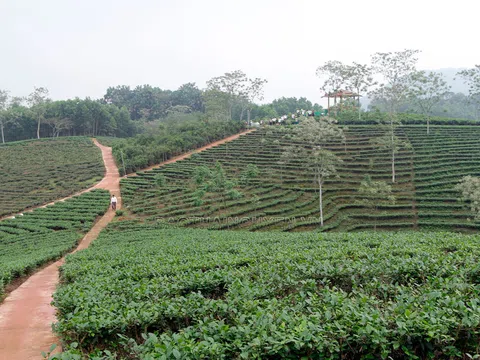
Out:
{"x": 334, "y": 76}
{"x": 232, "y": 83}
{"x": 3, "y": 111}
{"x": 58, "y": 125}
{"x": 395, "y": 68}
{"x": 38, "y": 100}
{"x": 311, "y": 139}
{"x": 426, "y": 90}
{"x": 359, "y": 79}
{"x": 254, "y": 91}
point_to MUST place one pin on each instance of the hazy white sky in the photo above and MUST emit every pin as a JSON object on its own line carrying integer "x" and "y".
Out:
{"x": 80, "y": 47}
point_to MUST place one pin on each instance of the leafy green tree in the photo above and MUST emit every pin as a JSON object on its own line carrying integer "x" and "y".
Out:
{"x": 188, "y": 95}
{"x": 375, "y": 193}
{"x": 160, "y": 180}
{"x": 217, "y": 105}
{"x": 469, "y": 187}
{"x": 251, "y": 172}
{"x": 426, "y": 90}
{"x": 38, "y": 100}
{"x": 218, "y": 182}
{"x": 201, "y": 174}
{"x": 472, "y": 79}
{"x": 311, "y": 139}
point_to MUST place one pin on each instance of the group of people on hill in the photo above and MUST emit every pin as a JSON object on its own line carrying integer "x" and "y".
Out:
{"x": 281, "y": 120}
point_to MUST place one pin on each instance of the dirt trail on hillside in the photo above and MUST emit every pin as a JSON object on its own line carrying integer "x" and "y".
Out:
{"x": 62, "y": 199}
{"x": 203, "y": 148}
{"x": 26, "y": 315}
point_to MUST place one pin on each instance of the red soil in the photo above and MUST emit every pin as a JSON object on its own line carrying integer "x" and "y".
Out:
{"x": 26, "y": 314}
{"x": 188, "y": 154}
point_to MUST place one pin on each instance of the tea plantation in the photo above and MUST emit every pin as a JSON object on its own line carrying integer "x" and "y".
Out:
{"x": 284, "y": 197}
{"x": 150, "y": 293}
{"x": 45, "y": 234}
{"x": 37, "y": 172}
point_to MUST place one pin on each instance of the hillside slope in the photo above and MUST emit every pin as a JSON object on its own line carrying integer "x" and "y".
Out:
{"x": 284, "y": 197}
{"x": 36, "y": 172}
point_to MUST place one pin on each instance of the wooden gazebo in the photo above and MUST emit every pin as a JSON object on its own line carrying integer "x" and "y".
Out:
{"x": 341, "y": 94}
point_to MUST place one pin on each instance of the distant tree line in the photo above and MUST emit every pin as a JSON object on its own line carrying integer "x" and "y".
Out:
{"x": 124, "y": 111}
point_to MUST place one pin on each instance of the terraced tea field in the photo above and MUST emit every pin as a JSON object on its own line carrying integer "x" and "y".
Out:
{"x": 37, "y": 172}
{"x": 199, "y": 294}
{"x": 45, "y": 234}
{"x": 284, "y": 197}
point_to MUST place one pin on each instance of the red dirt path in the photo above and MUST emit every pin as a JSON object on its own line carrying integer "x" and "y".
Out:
{"x": 26, "y": 314}
{"x": 203, "y": 148}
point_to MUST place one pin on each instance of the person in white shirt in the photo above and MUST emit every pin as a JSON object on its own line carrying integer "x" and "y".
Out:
{"x": 113, "y": 201}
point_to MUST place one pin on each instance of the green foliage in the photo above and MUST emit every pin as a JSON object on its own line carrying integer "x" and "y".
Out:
{"x": 284, "y": 198}
{"x": 160, "y": 180}
{"x": 251, "y": 172}
{"x": 35, "y": 238}
{"x": 469, "y": 187}
{"x": 119, "y": 213}
{"x": 234, "y": 295}
{"x": 170, "y": 139}
{"x": 36, "y": 172}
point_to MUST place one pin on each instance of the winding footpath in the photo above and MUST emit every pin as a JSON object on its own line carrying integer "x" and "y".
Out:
{"x": 26, "y": 315}
{"x": 203, "y": 148}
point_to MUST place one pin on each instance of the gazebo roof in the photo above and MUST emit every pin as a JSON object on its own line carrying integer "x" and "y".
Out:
{"x": 341, "y": 93}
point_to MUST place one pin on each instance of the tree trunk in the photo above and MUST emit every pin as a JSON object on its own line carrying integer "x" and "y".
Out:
{"x": 38, "y": 129}
{"x": 320, "y": 202}
{"x": 359, "y": 108}
{"x": 3, "y": 135}
{"x": 393, "y": 165}
{"x": 241, "y": 114}
{"x": 248, "y": 116}
{"x": 428, "y": 125}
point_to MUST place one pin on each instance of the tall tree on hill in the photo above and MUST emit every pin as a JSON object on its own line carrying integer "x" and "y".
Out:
{"x": 188, "y": 95}
{"x": 311, "y": 138}
{"x": 359, "y": 79}
{"x": 334, "y": 75}
{"x": 3, "y": 111}
{"x": 234, "y": 84}
{"x": 38, "y": 100}
{"x": 390, "y": 141}
{"x": 472, "y": 79}
{"x": 254, "y": 91}
{"x": 426, "y": 90}
{"x": 396, "y": 69}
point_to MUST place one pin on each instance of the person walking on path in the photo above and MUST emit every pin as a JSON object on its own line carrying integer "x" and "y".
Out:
{"x": 113, "y": 201}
